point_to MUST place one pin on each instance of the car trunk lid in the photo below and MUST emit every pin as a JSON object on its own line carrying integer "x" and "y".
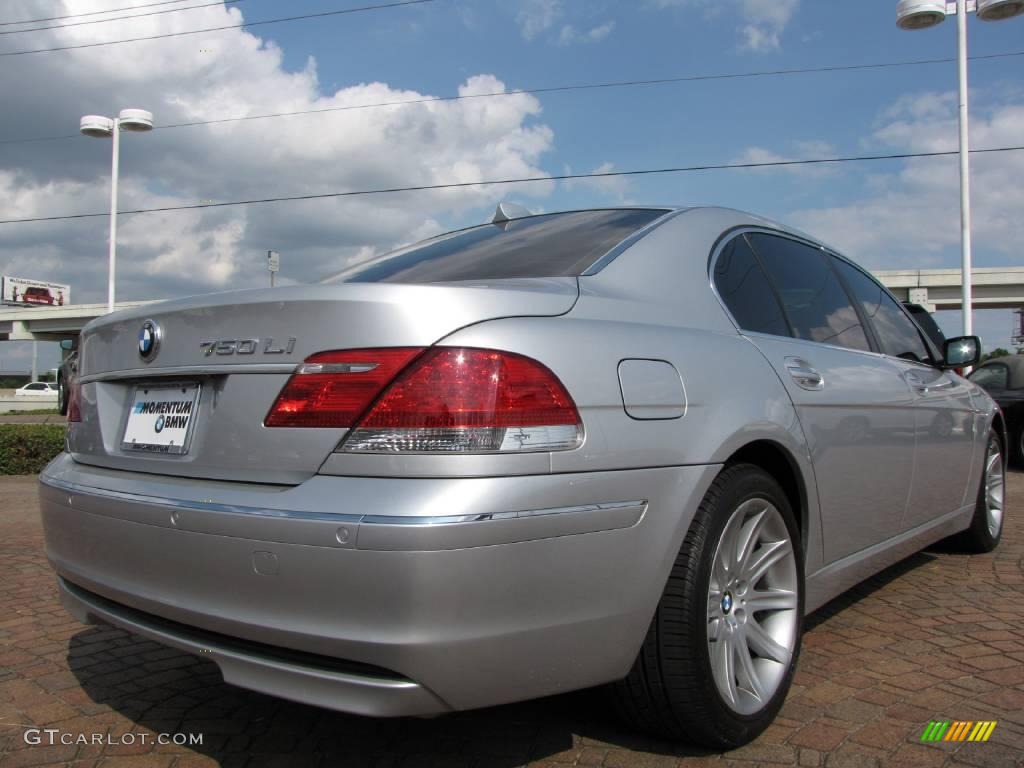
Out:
{"x": 230, "y": 354}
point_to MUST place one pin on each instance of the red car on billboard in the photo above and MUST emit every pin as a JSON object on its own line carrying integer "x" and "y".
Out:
{"x": 37, "y": 295}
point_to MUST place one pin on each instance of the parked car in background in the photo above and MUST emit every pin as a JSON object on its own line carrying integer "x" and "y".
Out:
{"x": 37, "y": 295}
{"x": 1003, "y": 379}
{"x": 628, "y": 446}
{"x": 36, "y": 389}
{"x": 66, "y": 373}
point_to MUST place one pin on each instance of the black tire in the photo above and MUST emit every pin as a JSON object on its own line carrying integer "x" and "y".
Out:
{"x": 62, "y": 396}
{"x": 980, "y": 536}
{"x": 671, "y": 690}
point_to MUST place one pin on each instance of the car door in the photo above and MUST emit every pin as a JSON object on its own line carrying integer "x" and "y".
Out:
{"x": 855, "y": 408}
{"x": 944, "y": 413}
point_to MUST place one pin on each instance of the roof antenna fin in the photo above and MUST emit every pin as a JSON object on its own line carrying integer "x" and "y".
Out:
{"x": 507, "y": 211}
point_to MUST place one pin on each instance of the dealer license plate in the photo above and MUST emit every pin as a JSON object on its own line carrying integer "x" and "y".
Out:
{"x": 161, "y": 418}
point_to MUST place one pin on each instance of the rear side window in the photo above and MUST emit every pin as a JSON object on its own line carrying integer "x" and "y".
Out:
{"x": 896, "y": 332}
{"x": 553, "y": 245}
{"x": 743, "y": 286}
{"x": 812, "y": 296}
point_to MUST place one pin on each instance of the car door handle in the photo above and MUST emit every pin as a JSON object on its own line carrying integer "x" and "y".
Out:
{"x": 804, "y": 375}
{"x": 918, "y": 384}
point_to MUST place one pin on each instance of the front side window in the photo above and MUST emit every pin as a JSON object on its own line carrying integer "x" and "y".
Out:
{"x": 815, "y": 302}
{"x": 745, "y": 290}
{"x": 552, "y": 245}
{"x": 996, "y": 376}
{"x": 896, "y": 332}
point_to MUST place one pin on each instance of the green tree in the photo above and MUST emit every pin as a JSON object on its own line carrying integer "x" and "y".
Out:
{"x": 997, "y": 352}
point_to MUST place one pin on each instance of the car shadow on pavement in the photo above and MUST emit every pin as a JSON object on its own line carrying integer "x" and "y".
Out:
{"x": 162, "y": 690}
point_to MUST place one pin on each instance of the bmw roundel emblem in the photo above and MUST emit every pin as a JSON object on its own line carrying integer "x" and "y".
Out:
{"x": 159, "y": 426}
{"x": 149, "y": 340}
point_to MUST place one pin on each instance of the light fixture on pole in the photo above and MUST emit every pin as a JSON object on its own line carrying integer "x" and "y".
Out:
{"x": 273, "y": 265}
{"x": 922, "y": 14}
{"x": 99, "y": 127}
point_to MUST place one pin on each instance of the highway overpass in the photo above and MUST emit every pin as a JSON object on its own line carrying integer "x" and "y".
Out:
{"x": 994, "y": 288}
{"x": 52, "y": 323}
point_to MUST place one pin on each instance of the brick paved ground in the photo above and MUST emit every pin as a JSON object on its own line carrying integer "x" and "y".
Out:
{"x": 939, "y": 636}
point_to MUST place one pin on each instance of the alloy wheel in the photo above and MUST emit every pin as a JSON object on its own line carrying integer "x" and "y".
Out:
{"x": 752, "y": 607}
{"x": 995, "y": 486}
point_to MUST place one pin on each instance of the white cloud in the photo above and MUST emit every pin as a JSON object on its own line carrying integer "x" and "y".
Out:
{"x": 177, "y": 253}
{"x": 802, "y": 150}
{"x": 570, "y": 34}
{"x": 912, "y": 217}
{"x": 762, "y": 22}
{"x": 606, "y": 186}
{"x": 537, "y": 16}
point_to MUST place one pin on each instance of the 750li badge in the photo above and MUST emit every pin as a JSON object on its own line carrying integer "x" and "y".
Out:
{"x": 246, "y": 347}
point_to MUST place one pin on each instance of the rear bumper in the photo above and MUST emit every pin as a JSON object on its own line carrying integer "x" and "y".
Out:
{"x": 437, "y": 594}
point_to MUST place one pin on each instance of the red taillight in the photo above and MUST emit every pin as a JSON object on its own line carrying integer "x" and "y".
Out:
{"x": 333, "y": 389}
{"x": 74, "y": 398}
{"x": 470, "y": 400}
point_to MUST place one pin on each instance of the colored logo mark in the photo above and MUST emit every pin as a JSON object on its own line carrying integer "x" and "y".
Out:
{"x": 959, "y": 730}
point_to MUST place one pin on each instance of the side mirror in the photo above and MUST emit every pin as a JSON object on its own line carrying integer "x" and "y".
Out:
{"x": 69, "y": 344}
{"x": 961, "y": 352}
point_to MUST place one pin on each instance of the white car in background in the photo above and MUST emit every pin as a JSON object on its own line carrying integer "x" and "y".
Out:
{"x": 40, "y": 389}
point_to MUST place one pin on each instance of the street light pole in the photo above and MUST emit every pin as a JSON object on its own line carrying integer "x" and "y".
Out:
{"x": 965, "y": 172}
{"x": 97, "y": 126}
{"x": 922, "y": 14}
{"x": 112, "y": 261}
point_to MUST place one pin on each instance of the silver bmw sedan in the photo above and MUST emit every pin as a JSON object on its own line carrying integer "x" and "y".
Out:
{"x": 628, "y": 447}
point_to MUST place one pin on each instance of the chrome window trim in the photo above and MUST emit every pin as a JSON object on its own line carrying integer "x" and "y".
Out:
{"x": 728, "y": 236}
{"x": 632, "y": 240}
{"x": 339, "y": 517}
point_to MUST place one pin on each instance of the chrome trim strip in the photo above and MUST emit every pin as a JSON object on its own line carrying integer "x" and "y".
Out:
{"x": 485, "y": 517}
{"x": 235, "y": 509}
{"x": 340, "y": 517}
{"x": 630, "y": 241}
{"x": 189, "y": 370}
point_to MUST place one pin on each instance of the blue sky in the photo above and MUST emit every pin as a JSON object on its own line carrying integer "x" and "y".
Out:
{"x": 890, "y": 214}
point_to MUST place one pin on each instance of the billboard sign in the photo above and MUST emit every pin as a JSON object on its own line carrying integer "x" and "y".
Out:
{"x": 17, "y": 290}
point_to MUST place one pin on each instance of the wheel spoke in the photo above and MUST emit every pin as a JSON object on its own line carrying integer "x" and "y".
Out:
{"x": 746, "y": 667}
{"x": 714, "y": 603}
{"x": 763, "y": 644}
{"x": 722, "y": 660}
{"x": 746, "y": 540}
{"x": 771, "y": 600}
{"x": 764, "y": 558}
{"x": 715, "y": 630}
{"x": 725, "y": 562}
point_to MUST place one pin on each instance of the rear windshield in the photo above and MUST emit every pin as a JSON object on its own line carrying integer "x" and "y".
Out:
{"x": 552, "y": 245}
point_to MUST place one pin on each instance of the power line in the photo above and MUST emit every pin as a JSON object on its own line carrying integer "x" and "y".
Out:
{"x": 219, "y": 29}
{"x": 90, "y": 13}
{"x": 117, "y": 18}
{"x": 529, "y": 180}
{"x": 558, "y": 89}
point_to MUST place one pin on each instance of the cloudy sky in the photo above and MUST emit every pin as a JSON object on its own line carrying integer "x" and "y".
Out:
{"x": 887, "y": 215}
